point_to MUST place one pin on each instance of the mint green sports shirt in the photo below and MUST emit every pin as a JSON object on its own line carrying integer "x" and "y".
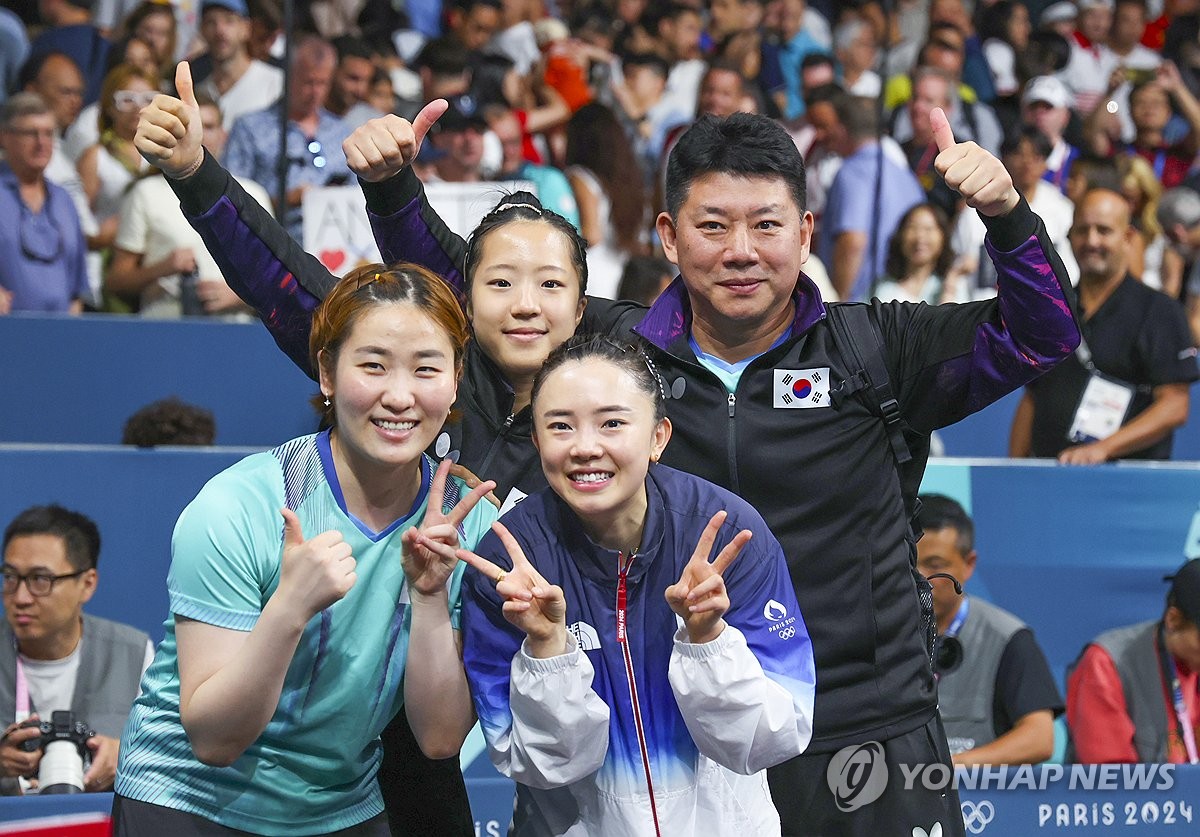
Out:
{"x": 313, "y": 768}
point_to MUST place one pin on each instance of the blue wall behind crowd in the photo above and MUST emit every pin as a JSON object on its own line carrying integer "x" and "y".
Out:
{"x": 75, "y": 381}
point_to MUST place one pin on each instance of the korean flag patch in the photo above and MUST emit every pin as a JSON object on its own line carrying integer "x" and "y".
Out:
{"x": 798, "y": 389}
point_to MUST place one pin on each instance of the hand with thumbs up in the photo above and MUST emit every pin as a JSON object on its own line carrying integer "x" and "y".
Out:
{"x": 170, "y": 132}
{"x": 382, "y": 147}
{"x": 972, "y": 171}
{"x": 315, "y": 573}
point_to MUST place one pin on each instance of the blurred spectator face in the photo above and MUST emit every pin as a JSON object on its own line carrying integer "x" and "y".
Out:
{"x": 645, "y": 83}
{"x": 946, "y": 52}
{"x": 921, "y": 239}
{"x": 1094, "y": 21}
{"x": 60, "y": 84}
{"x": 225, "y": 32}
{"x": 1047, "y": 118}
{"x": 630, "y": 11}
{"x": 938, "y": 552}
{"x": 215, "y": 134}
{"x": 352, "y": 80}
{"x": 1150, "y": 107}
{"x": 1026, "y": 166}
{"x": 157, "y": 31}
{"x": 829, "y": 131}
{"x": 141, "y": 55}
{"x": 816, "y": 75}
{"x": 1128, "y": 26}
{"x": 310, "y": 85}
{"x": 860, "y": 54}
{"x": 928, "y": 93}
{"x": 475, "y": 27}
{"x": 791, "y": 18}
{"x": 721, "y": 92}
{"x": 508, "y": 130}
{"x": 1100, "y": 235}
{"x": 1019, "y": 27}
{"x": 950, "y": 11}
{"x": 127, "y": 103}
{"x": 28, "y": 144}
{"x": 728, "y": 17}
{"x": 382, "y": 96}
{"x": 464, "y": 148}
{"x": 682, "y": 34}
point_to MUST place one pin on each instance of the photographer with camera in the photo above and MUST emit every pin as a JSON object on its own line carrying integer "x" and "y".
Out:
{"x": 996, "y": 695}
{"x": 67, "y": 679}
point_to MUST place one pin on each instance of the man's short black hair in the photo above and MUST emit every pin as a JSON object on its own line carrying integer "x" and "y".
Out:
{"x": 647, "y": 59}
{"x": 743, "y": 145}
{"x": 79, "y": 533}
{"x": 1030, "y": 134}
{"x": 940, "y": 512}
{"x": 350, "y": 46}
{"x": 443, "y": 57}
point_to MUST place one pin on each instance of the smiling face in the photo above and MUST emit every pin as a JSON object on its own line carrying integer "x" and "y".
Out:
{"x": 1100, "y": 236}
{"x": 921, "y": 240}
{"x": 739, "y": 243}
{"x": 595, "y": 429}
{"x": 392, "y": 383}
{"x": 525, "y": 297}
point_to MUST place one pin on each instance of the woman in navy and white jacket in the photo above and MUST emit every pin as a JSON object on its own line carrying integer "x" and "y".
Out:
{"x": 617, "y": 712}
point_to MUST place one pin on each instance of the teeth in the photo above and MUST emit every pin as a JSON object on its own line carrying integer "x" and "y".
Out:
{"x": 596, "y": 476}
{"x": 395, "y": 425}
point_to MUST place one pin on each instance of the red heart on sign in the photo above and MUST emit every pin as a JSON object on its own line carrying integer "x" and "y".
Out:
{"x": 332, "y": 259}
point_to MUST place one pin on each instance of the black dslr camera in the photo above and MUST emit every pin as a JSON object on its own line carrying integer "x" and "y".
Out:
{"x": 63, "y": 743}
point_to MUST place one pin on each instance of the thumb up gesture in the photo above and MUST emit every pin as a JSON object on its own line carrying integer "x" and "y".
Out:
{"x": 971, "y": 171}
{"x": 169, "y": 131}
{"x": 315, "y": 573}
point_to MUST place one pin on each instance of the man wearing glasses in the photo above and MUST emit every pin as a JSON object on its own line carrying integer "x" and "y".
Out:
{"x": 42, "y": 247}
{"x": 53, "y": 656}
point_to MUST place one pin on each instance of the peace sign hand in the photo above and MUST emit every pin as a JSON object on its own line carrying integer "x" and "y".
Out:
{"x": 699, "y": 597}
{"x": 426, "y": 568}
{"x": 380, "y": 148}
{"x": 531, "y": 603}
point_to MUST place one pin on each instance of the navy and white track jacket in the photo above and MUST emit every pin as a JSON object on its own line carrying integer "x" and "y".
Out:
{"x": 650, "y": 735}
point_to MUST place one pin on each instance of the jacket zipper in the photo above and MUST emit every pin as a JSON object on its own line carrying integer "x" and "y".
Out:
{"x": 491, "y": 454}
{"x": 623, "y": 566}
{"x": 731, "y": 446}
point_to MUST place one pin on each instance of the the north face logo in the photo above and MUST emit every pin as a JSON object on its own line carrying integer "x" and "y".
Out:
{"x": 585, "y": 636}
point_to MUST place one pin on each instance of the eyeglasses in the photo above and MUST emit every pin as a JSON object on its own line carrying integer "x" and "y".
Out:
{"x": 131, "y": 100}
{"x": 39, "y": 584}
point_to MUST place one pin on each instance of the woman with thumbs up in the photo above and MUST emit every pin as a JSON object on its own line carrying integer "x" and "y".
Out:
{"x": 298, "y": 587}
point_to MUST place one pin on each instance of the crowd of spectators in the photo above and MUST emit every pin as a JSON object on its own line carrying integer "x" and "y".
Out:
{"x": 586, "y": 100}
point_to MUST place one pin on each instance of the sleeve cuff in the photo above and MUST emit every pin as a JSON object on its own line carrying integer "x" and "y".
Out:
{"x": 200, "y": 192}
{"x": 550, "y": 665}
{"x": 1008, "y": 232}
{"x": 724, "y": 641}
{"x": 390, "y": 196}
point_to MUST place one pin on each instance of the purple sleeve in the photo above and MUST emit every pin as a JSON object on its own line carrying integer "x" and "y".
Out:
{"x": 407, "y": 229}
{"x": 952, "y": 360}
{"x": 260, "y": 261}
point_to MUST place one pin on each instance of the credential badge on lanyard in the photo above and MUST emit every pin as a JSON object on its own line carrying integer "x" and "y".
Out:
{"x": 1104, "y": 405}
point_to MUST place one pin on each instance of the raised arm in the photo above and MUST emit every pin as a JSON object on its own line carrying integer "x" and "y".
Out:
{"x": 953, "y": 360}
{"x": 260, "y": 261}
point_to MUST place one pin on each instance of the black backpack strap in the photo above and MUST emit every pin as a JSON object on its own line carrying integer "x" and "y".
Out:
{"x": 868, "y": 372}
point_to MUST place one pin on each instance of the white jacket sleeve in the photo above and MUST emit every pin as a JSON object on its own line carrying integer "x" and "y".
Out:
{"x": 559, "y": 731}
{"x": 737, "y": 715}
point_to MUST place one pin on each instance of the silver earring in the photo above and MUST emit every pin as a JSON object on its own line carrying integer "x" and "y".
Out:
{"x": 326, "y": 400}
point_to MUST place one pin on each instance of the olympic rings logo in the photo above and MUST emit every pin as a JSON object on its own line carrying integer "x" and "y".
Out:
{"x": 977, "y": 816}
{"x": 787, "y": 633}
